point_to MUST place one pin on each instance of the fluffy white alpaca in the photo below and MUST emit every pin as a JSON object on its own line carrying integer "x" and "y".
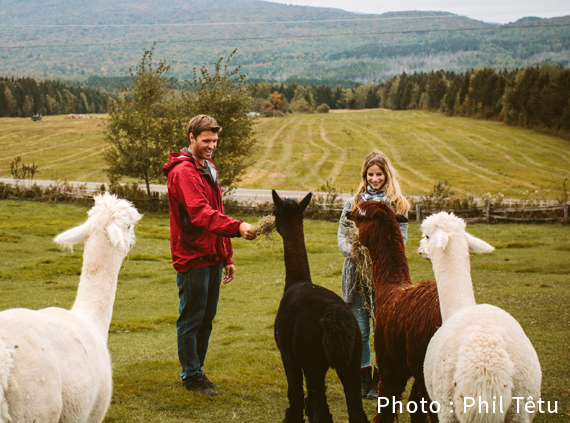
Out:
{"x": 480, "y": 353}
{"x": 54, "y": 363}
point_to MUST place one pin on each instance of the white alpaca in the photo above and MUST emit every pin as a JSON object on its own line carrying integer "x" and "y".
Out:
{"x": 480, "y": 353}
{"x": 54, "y": 363}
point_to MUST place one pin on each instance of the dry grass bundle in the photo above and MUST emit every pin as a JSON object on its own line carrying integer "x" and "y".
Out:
{"x": 265, "y": 226}
{"x": 364, "y": 283}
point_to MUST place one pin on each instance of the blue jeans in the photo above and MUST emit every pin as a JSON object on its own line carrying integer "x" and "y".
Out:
{"x": 363, "y": 317}
{"x": 199, "y": 291}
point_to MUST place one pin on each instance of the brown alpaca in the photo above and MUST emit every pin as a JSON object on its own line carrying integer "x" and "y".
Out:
{"x": 407, "y": 314}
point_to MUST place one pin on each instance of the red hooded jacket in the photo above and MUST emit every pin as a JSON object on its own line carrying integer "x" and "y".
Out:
{"x": 199, "y": 229}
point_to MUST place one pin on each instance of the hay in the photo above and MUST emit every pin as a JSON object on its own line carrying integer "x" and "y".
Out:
{"x": 265, "y": 226}
{"x": 364, "y": 283}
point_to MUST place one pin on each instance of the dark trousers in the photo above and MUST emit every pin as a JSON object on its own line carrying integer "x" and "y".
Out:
{"x": 199, "y": 291}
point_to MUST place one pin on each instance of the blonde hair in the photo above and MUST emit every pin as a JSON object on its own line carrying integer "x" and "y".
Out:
{"x": 391, "y": 186}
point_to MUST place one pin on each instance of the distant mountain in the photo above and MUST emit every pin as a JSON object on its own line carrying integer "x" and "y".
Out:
{"x": 77, "y": 38}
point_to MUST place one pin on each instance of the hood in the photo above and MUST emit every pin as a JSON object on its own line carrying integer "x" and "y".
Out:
{"x": 210, "y": 171}
{"x": 175, "y": 158}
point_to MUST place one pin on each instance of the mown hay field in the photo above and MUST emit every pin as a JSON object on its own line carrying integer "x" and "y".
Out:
{"x": 302, "y": 151}
{"x": 61, "y": 148}
{"x": 528, "y": 275}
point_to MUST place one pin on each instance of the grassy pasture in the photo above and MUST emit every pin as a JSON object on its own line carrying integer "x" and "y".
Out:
{"x": 528, "y": 275}
{"x": 303, "y": 151}
{"x": 62, "y": 148}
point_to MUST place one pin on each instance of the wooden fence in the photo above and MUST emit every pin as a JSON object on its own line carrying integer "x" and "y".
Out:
{"x": 507, "y": 211}
{"x": 488, "y": 213}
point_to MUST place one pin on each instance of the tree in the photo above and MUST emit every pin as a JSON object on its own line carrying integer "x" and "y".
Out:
{"x": 277, "y": 101}
{"x": 143, "y": 125}
{"x": 224, "y": 96}
{"x": 372, "y": 99}
{"x": 303, "y": 100}
{"x": 28, "y": 107}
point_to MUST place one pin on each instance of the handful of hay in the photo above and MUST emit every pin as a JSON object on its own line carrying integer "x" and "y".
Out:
{"x": 265, "y": 226}
{"x": 364, "y": 283}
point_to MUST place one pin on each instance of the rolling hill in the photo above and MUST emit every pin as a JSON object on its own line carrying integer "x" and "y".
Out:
{"x": 72, "y": 39}
{"x": 303, "y": 151}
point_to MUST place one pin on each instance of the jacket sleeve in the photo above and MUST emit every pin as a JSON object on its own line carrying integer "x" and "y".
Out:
{"x": 343, "y": 245}
{"x": 191, "y": 194}
{"x": 228, "y": 259}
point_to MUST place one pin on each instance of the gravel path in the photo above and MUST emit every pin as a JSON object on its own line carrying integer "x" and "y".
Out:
{"x": 241, "y": 194}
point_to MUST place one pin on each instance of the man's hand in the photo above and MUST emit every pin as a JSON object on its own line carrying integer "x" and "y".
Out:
{"x": 247, "y": 231}
{"x": 230, "y": 273}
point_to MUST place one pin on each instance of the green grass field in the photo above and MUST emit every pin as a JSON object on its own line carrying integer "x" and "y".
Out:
{"x": 62, "y": 148}
{"x": 302, "y": 151}
{"x": 475, "y": 156}
{"x": 528, "y": 275}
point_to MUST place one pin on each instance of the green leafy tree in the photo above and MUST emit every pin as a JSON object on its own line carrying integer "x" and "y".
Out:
{"x": 144, "y": 125}
{"x": 223, "y": 95}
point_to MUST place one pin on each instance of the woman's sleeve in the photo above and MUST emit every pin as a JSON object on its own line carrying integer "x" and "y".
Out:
{"x": 404, "y": 229}
{"x": 343, "y": 245}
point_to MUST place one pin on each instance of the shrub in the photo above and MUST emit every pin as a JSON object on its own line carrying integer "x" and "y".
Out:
{"x": 323, "y": 108}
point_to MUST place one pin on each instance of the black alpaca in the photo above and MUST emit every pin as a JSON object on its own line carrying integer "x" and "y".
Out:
{"x": 314, "y": 328}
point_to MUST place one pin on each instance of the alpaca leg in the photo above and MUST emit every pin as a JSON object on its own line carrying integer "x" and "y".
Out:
{"x": 422, "y": 401}
{"x": 294, "y": 414}
{"x": 316, "y": 402}
{"x": 390, "y": 386}
{"x": 350, "y": 378}
{"x": 514, "y": 417}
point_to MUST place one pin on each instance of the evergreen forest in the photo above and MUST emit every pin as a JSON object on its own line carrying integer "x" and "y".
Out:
{"x": 24, "y": 97}
{"x": 536, "y": 97}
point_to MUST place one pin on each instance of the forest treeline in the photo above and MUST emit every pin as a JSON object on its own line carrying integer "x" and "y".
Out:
{"x": 24, "y": 97}
{"x": 536, "y": 97}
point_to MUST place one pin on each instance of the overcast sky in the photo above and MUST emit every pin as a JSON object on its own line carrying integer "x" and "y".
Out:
{"x": 484, "y": 10}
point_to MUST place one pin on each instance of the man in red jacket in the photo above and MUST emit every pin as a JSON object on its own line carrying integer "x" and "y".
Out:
{"x": 200, "y": 243}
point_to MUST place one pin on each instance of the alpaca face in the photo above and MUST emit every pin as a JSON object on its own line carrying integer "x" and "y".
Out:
{"x": 115, "y": 217}
{"x": 121, "y": 236}
{"x": 440, "y": 228}
{"x": 436, "y": 239}
{"x": 287, "y": 211}
{"x": 375, "y": 220}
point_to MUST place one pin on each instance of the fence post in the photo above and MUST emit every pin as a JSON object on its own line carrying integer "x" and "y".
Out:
{"x": 419, "y": 216}
{"x": 566, "y": 213}
{"x": 488, "y": 213}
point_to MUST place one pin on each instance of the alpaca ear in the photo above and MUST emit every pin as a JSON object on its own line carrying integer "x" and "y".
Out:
{"x": 400, "y": 218}
{"x": 276, "y": 199}
{"x": 477, "y": 245}
{"x": 73, "y": 235}
{"x": 305, "y": 201}
{"x": 440, "y": 239}
{"x": 383, "y": 217}
{"x": 115, "y": 234}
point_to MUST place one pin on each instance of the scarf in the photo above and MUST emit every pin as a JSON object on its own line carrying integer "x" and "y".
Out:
{"x": 372, "y": 194}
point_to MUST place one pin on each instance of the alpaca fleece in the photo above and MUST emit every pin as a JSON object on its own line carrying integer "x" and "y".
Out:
{"x": 314, "y": 329}
{"x": 480, "y": 352}
{"x": 407, "y": 314}
{"x": 54, "y": 363}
